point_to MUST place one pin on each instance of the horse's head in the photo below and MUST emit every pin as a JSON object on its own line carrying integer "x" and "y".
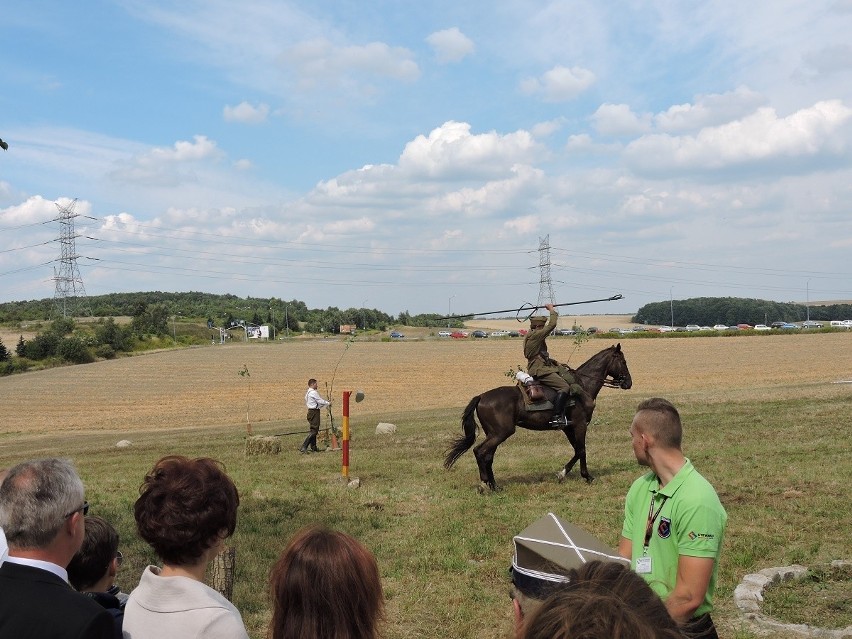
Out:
{"x": 617, "y": 370}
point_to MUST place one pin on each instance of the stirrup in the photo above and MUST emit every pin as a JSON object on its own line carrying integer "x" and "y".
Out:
{"x": 559, "y": 420}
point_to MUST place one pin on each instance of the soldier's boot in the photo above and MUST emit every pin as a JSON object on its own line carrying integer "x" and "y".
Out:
{"x": 559, "y": 404}
{"x": 304, "y": 447}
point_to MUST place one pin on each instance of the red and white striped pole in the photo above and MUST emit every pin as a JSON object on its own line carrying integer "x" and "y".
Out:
{"x": 346, "y": 395}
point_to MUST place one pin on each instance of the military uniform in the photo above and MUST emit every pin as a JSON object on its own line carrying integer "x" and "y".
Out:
{"x": 546, "y": 370}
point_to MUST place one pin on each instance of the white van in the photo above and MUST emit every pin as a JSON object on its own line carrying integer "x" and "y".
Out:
{"x": 841, "y": 324}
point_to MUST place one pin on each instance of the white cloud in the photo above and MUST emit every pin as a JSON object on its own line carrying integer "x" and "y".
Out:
{"x": 451, "y": 151}
{"x": 243, "y": 164}
{"x": 546, "y": 129}
{"x": 820, "y": 130}
{"x": 161, "y": 166}
{"x": 618, "y": 119}
{"x": 709, "y": 110}
{"x": 319, "y": 61}
{"x": 245, "y": 112}
{"x": 450, "y": 45}
{"x": 559, "y": 84}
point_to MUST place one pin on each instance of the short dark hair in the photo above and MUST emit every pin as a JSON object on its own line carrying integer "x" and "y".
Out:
{"x": 664, "y": 424}
{"x": 100, "y": 546}
{"x": 35, "y": 499}
{"x": 184, "y": 506}
{"x": 604, "y": 600}
{"x": 319, "y": 566}
{"x": 311, "y": 381}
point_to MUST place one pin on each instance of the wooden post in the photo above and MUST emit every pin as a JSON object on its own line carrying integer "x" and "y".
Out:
{"x": 222, "y": 572}
{"x": 346, "y": 395}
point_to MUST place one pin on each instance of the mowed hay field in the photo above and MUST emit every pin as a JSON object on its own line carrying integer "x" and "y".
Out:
{"x": 766, "y": 420}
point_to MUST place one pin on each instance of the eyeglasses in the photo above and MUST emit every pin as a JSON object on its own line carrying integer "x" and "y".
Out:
{"x": 84, "y": 508}
{"x": 119, "y": 558}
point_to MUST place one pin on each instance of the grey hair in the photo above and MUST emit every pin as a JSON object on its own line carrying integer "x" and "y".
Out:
{"x": 35, "y": 499}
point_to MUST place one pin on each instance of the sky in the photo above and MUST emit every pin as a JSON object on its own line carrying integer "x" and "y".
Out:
{"x": 428, "y": 157}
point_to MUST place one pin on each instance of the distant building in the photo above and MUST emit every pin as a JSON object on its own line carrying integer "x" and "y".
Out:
{"x": 347, "y": 329}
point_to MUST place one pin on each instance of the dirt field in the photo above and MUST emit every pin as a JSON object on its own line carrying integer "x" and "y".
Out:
{"x": 201, "y": 386}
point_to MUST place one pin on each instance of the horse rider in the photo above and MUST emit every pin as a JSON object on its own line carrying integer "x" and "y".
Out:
{"x": 550, "y": 372}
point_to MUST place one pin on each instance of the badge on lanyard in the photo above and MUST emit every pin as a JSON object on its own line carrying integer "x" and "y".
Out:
{"x": 643, "y": 565}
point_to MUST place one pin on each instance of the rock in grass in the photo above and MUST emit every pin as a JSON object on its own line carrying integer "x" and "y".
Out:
{"x": 385, "y": 429}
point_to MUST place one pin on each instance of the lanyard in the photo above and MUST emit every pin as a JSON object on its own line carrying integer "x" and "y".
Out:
{"x": 652, "y": 516}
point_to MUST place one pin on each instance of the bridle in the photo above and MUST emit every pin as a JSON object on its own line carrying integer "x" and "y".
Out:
{"x": 609, "y": 381}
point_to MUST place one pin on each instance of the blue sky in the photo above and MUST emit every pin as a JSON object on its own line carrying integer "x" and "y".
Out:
{"x": 411, "y": 156}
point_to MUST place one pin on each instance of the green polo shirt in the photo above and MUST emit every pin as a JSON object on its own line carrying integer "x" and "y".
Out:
{"x": 691, "y": 523}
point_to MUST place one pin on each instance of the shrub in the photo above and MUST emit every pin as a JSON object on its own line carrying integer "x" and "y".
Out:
{"x": 72, "y": 349}
{"x": 4, "y": 352}
{"x": 105, "y": 351}
{"x": 42, "y": 346}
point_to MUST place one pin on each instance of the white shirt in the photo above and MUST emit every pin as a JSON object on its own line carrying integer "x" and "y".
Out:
{"x": 313, "y": 399}
{"x": 4, "y": 548}
{"x": 57, "y": 570}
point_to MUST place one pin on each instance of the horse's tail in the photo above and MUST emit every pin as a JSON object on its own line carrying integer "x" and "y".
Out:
{"x": 464, "y": 441}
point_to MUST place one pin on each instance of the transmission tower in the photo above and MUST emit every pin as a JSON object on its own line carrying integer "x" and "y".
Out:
{"x": 70, "y": 295}
{"x": 545, "y": 284}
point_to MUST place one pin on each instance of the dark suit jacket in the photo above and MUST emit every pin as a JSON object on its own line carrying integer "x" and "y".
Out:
{"x": 36, "y": 604}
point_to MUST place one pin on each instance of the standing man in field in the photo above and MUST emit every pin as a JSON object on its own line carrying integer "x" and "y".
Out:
{"x": 674, "y": 522}
{"x": 314, "y": 403}
{"x": 550, "y": 372}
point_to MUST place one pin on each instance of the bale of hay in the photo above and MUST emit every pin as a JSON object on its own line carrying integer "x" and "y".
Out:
{"x": 263, "y": 445}
{"x": 385, "y": 429}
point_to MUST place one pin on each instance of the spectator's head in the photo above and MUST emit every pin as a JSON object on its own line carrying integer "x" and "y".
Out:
{"x": 312, "y": 383}
{"x": 603, "y": 600}
{"x": 656, "y": 423}
{"x": 42, "y": 508}
{"x": 319, "y": 566}
{"x": 186, "y": 507}
{"x": 97, "y": 560}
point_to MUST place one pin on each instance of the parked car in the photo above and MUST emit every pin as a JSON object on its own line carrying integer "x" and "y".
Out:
{"x": 458, "y": 334}
{"x": 720, "y": 327}
{"x": 761, "y": 327}
{"x": 515, "y": 333}
{"x": 744, "y": 327}
{"x": 565, "y": 331}
{"x": 777, "y": 324}
{"x": 444, "y": 333}
{"x": 667, "y": 329}
{"x": 811, "y": 324}
{"x": 592, "y": 330}
{"x": 478, "y": 333}
{"x": 693, "y": 327}
{"x": 396, "y": 335}
{"x": 788, "y": 327}
{"x": 499, "y": 333}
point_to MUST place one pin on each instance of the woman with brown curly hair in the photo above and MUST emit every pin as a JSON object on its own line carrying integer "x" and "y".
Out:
{"x": 185, "y": 511}
{"x": 325, "y": 585}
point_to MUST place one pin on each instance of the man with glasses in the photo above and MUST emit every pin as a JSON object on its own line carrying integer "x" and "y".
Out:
{"x": 42, "y": 512}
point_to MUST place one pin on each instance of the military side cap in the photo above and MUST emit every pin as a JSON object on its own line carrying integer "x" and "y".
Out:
{"x": 538, "y": 320}
{"x": 547, "y": 549}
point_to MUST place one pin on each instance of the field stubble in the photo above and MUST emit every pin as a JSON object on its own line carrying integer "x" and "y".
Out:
{"x": 764, "y": 422}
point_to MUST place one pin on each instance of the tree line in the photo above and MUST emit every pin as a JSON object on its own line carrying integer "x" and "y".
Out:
{"x": 708, "y": 311}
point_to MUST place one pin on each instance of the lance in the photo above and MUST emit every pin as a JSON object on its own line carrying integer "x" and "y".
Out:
{"x": 532, "y": 309}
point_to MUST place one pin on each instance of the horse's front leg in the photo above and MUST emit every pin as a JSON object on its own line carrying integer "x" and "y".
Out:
{"x": 580, "y": 451}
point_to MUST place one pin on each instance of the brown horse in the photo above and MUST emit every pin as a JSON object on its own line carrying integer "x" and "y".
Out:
{"x": 502, "y": 409}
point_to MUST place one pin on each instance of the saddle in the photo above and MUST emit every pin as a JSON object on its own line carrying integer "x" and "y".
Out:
{"x": 537, "y": 396}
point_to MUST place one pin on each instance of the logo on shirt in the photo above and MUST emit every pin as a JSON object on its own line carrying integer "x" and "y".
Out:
{"x": 664, "y": 530}
{"x": 695, "y": 535}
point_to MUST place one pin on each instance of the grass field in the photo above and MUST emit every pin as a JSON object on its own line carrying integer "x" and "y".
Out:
{"x": 765, "y": 420}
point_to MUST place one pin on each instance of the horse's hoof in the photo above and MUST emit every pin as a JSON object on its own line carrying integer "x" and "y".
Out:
{"x": 560, "y": 476}
{"x": 482, "y": 488}
{"x": 589, "y": 479}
